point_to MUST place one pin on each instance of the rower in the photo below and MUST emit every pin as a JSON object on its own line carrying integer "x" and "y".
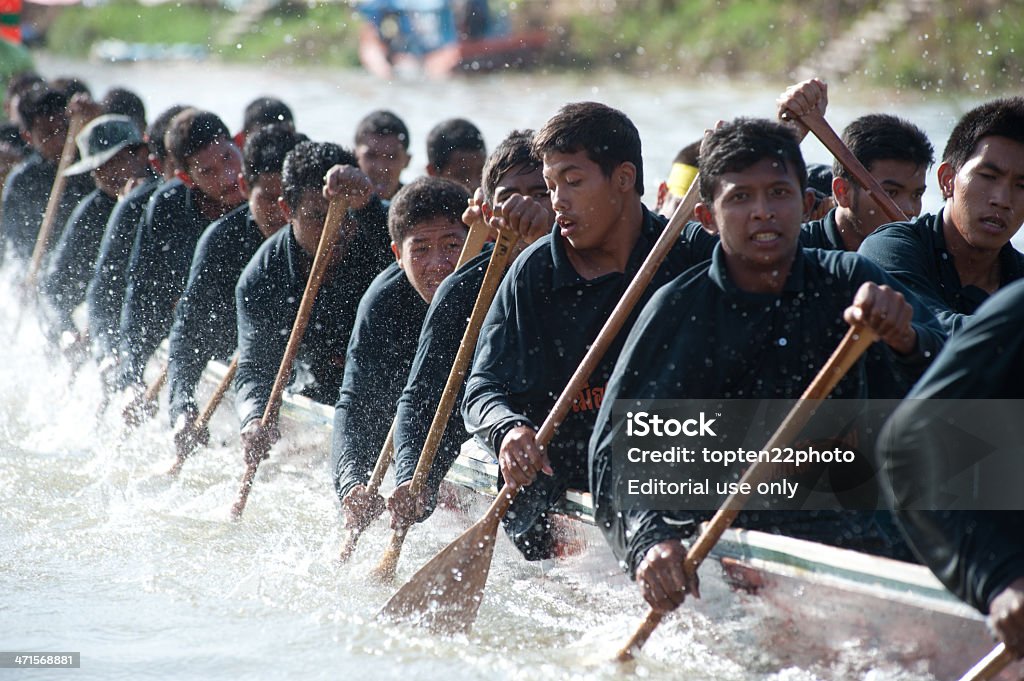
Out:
{"x": 955, "y": 259}
{"x": 756, "y": 321}
{"x": 263, "y": 111}
{"x": 427, "y": 235}
{"x": 978, "y": 554}
{"x": 208, "y": 165}
{"x": 43, "y": 112}
{"x": 684, "y": 169}
{"x": 105, "y": 293}
{"x": 270, "y": 288}
{"x": 114, "y": 153}
{"x": 382, "y": 149}
{"x": 895, "y": 151}
{"x": 205, "y": 325}
{"x": 455, "y": 150}
{"x": 552, "y": 304}
{"x": 513, "y": 186}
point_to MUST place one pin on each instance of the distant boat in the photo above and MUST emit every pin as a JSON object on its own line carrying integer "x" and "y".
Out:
{"x": 439, "y": 37}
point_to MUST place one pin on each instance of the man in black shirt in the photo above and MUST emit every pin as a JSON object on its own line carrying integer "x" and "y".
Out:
{"x": 427, "y": 235}
{"x": 456, "y": 151}
{"x": 113, "y": 152}
{"x": 382, "y": 149}
{"x": 955, "y": 259}
{"x": 270, "y": 288}
{"x": 26, "y": 191}
{"x": 205, "y": 321}
{"x": 553, "y": 302}
{"x": 209, "y": 166}
{"x": 105, "y": 294}
{"x": 514, "y": 187}
{"x": 896, "y": 152}
{"x": 756, "y": 321}
{"x": 978, "y": 555}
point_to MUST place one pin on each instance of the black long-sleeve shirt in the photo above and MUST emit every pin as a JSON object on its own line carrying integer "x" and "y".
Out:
{"x": 377, "y": 363}
{"x": 25, "y": 195}
{"x": 71, "y": 264}
{"x": 439, "y": 339}
{"x": 702, "y": 337}
{"x": 205, "y": 324}
{"x": 268, "y": 296}
{"x": 976, "y": 554}
{"x": 915, "y": 254}
{"x": 105, "y": 294}
{"x": 157, "y": 273}
{"x": 544, "y": 318}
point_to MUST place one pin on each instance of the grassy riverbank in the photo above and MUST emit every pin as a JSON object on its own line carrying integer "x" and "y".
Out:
{"x": 954, "y": 46}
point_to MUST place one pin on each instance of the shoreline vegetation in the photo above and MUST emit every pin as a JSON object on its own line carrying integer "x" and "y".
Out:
{"x": 936, "y": 46}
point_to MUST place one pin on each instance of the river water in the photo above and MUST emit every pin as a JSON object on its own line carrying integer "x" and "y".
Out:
{"x": 148, "y": 578}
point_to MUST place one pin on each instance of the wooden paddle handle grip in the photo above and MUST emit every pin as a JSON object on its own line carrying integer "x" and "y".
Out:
{"x": 817, "y": 124}
{"x": 990, "y": 665}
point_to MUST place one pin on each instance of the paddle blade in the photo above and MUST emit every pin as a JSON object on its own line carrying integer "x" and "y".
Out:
{"x": 445, "y": 594}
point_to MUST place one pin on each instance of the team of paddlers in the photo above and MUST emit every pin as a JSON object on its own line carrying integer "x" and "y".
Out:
{"x": 179, "y": 230}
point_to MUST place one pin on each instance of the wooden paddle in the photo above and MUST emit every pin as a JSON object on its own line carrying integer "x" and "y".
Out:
{"x": 475, "y": 240}
{"x": 856, "y": 341}
{"x": 145, "y": 404}
{"x": 385, "y": 570}
{"x": 817, "y": 124}
{"x": 990, "y": 665}
{"x": 203, "y": 420}
{"x": 328, "y": 238}
{"x": 447, "y": 591}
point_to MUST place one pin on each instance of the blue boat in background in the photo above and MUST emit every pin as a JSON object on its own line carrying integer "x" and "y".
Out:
{"x": 439, "y": 37}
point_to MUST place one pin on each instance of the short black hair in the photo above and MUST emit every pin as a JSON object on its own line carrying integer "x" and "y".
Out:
{"x": 454, "y": 134}
{"x": 41, "y": 101}
{"x": 70, "y": 86}
{"x": 689, "y": 155}
{"x": 1000, "y": 117}
{"x": 266, "y": 111}
{"x": 740, "y": 144}
{"x": 424, "y": 199}
{"x": 306, "y": 165}
{"x": 157, "y": 131}
{"x": 514, "y": 150}
{"x": 265, "y": 150}
{"x": 119, "y": 100}
{"x": 191, "y": 131}
{"x": 383, "y": 123}
{"x": 884, "y": 137}
{"x": 606, "y": 135}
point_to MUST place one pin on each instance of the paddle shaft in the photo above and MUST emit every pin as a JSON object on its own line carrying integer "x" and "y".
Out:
{"x": 990, "y": 665}
{"x": 475, "y": 240}
{"x": 328, "y": 238}
{"x": 856, "y": 341}
{"x": 52, "y": 204}
{"x": 203, "y": 419}
{"x": 817, "y": 124}
{"x": 500, "y": 257}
